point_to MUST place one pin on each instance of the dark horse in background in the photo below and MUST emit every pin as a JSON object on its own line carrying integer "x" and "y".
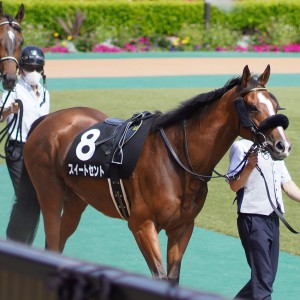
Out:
{"x": 11, "y": 41}
{"x": 164, "y": 194}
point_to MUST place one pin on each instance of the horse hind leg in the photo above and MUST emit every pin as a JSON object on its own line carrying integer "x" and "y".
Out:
{"x": 51, "y": 199}
{"x": 146, "y": 237}
{"x": 74, "y": 206}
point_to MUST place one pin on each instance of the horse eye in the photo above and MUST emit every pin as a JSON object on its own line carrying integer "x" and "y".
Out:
{"x": 252, "y": 108}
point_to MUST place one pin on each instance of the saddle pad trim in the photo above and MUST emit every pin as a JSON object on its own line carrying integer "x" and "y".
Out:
{"x": 119, "y": 198}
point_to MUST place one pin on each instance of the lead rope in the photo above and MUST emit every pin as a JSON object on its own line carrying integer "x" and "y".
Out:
{"x": 9, "y": 128}
{"x": 278, "y": 213}
{"x": 2, "y": 107}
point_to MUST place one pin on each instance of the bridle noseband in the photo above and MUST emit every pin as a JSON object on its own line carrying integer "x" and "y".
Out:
{"x": 10, "y": 23}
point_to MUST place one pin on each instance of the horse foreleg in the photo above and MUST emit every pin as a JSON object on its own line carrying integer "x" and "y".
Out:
{"x": 146, "y": 237}
{"x": 74, "y": 206}
{"x": 178, "y": 240}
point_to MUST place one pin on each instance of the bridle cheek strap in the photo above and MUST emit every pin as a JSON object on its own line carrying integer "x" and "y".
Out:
{"x": 243, "y": 113}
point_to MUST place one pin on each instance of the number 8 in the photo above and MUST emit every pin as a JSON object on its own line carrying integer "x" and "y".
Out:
{"x": 88, "y": 140}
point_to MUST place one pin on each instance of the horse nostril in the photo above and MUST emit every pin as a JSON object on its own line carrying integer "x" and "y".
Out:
{"x": 9, "y": 78}
{"x": 280, "y": 146}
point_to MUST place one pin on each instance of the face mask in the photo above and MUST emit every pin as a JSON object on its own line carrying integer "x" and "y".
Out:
{"x": 32, "y": 78}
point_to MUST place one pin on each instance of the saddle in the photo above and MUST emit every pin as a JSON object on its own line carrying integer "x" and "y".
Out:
{"x": 109, "y": 148}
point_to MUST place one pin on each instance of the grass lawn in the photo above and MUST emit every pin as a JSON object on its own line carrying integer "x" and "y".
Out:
{"x": 218, "y": 214}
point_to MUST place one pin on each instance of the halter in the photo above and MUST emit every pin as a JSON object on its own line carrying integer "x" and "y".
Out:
{"x": 10, "y": 57}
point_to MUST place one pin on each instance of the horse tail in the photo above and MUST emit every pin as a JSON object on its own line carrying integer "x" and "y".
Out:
{"x": 25, "y": 214}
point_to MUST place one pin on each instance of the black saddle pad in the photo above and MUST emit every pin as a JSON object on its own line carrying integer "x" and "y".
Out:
{"x": 110, "y": 148}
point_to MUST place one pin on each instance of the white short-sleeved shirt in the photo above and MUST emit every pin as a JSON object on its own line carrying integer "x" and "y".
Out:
{"x": 33, "y": 106}
{"x": 255, "y": 199}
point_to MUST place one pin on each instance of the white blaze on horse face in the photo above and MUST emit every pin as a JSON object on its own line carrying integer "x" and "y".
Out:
{"x": 267, "y": 102}
{"x": 11, "y": 35}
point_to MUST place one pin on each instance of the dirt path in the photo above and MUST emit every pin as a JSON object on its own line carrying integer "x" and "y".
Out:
{"x": 166, "y": 66}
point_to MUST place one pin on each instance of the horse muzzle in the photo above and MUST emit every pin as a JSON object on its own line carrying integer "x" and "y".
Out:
{"x": 279, "y": 147}
{"x": 9, "y": 81}
{"x": 278, "y": 150}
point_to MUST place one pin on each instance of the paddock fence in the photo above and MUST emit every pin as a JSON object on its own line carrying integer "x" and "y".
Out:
{"x": 33, "y": 274}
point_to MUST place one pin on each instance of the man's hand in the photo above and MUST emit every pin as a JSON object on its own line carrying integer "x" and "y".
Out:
{"x": 252, "y": 160}
{"x": 14, "y": 108}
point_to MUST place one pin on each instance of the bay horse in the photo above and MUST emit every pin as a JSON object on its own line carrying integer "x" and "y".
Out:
{"x": 168, "y": 186}
{"x": 10, "y": 46}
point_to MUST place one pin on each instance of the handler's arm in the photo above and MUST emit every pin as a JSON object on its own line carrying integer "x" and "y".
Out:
{"x": 292, "y": 190}
{"x": 239, "y": 183}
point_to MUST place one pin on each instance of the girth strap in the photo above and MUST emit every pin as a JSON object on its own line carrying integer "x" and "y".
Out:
{"x": 119, "y": 197}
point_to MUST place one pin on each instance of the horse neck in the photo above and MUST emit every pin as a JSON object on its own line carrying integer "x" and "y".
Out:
{"x": 210, "y": 135}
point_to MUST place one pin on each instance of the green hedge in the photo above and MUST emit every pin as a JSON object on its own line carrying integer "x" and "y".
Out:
{"x": 162, "y": 17}
{"x": 276, "y": 21}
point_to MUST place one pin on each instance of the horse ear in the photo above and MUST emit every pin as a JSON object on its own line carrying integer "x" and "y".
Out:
{"x": 20, "y": 15}
{"x": 264, "y": 77}
{"x": 246, "y": 76}
{"x": 1, "y": 9}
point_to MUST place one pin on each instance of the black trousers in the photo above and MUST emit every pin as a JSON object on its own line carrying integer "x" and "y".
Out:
{"x": 14, "y": 162}
{"x": 25, "y": 213}
{"x": 260, "y": 239}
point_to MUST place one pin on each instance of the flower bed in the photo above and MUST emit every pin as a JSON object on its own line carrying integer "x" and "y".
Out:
{"x": 143, "y": 44}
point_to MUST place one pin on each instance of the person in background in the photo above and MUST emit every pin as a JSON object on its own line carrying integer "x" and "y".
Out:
{"x": 28, "y": 101}
{"x": 258, "y": 224}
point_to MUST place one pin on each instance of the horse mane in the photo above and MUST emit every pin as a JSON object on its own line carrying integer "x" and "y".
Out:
{"x": 196, "y": 104}
{"x": 276, "y": 101}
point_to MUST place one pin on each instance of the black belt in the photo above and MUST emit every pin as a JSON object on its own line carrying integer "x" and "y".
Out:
{"x": 15, "y": 143}
{"x": 271, "y": 215}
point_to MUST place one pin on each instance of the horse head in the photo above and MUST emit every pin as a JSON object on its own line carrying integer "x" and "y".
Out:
{"x": 11, "y": 41}
{"x": 257, "y": 109}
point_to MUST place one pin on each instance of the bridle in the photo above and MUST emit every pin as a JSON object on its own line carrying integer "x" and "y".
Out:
{"x": 12, "y": 24}
{"x": 247, "y": 122}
